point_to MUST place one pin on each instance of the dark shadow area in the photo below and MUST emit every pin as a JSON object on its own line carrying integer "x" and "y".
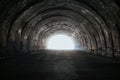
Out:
{"x": 63, "y": 65}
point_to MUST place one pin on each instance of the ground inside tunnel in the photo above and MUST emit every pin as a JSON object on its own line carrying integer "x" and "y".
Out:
{"x": 62, "y": 65}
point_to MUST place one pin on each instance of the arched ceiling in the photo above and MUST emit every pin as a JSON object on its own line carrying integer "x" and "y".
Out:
{"x": 93, "y": 23}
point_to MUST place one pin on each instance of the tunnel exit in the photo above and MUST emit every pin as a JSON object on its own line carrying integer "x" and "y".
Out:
{"x": 60, "y": 42}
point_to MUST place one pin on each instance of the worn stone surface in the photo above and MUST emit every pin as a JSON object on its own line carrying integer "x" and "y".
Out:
{"x": 25, "y": 24}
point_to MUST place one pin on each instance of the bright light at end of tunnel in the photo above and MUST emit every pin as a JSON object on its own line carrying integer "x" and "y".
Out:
{"x": 60, "y": 42}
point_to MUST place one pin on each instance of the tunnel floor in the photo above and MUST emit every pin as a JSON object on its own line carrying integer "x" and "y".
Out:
{"x": 64, "y": 65}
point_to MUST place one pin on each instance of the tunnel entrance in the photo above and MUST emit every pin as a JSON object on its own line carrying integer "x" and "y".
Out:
{"x": 60, "y": 42}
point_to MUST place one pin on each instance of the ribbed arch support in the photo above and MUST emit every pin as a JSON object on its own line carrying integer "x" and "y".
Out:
{"x": 93, "y": 23}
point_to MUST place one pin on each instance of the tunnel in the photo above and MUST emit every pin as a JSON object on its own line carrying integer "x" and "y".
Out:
{"x": 26, "y": 26}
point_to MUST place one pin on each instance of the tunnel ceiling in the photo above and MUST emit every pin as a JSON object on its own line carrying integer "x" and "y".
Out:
{"x": 25, "y": 24}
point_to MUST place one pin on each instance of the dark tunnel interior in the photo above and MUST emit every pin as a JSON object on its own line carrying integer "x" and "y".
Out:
{"x": 26, "y": 25}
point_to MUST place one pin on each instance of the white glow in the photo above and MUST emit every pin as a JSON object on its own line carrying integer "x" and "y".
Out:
{"x": 60, "y": 42}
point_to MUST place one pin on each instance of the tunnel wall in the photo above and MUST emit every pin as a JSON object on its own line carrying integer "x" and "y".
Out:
{"x": 102, "y": 37}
